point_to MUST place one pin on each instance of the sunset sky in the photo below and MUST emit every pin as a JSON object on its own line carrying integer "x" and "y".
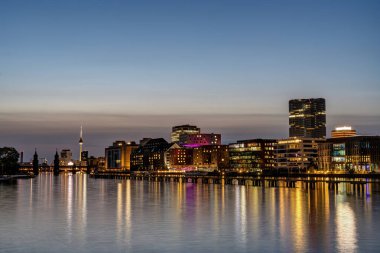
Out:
{"x": 133, "y": 69}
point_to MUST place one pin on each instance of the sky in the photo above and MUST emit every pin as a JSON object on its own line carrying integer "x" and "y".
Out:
{"x": 133, "y": 69}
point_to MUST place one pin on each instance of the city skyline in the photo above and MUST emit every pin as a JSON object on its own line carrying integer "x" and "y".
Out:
{"x": 128, "y": 70}
{"x": 96, "y": 147}
{"x": 189, "y": 126}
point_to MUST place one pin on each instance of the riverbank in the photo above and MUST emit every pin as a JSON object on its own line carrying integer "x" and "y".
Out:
{"x": 13, "y": 178}
{"x": 235, "y": 174}
{"x": 309, "y": 180}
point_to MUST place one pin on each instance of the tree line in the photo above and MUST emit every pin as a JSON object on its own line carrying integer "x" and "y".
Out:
{"x": 9, "y": 161}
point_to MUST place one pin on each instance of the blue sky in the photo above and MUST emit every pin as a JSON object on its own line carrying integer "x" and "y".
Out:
{"x": 113, "y": 66}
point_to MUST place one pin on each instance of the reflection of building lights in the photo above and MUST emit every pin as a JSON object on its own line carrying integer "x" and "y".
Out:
{"x": 119, "y": 210}
{"x": 346, "y": 233}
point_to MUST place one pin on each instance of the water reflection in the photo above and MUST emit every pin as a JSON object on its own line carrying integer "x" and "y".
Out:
{"x": 119, "y": 211}
{"x": 81, "y": 214}
{"x": 241, "y": 210}
{"x": 345, "y": 227}
{"x": 128, "y": 211}
{"x": 300, "y": 213}
{"x": 69, "y": 213}
{"x": 73, "y": 192}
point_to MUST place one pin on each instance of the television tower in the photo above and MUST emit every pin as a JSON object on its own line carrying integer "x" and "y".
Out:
{"x": 80, "y": 144}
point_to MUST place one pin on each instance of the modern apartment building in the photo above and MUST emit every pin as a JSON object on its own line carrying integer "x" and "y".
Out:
{"x": 252, "y": 155}
{"x": 355, "y": 154}
{"x": 297, "y": 154}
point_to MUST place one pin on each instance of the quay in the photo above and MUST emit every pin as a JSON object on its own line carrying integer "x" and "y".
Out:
{"x": 248, "y": 179}
{"x": 265, "y": 179}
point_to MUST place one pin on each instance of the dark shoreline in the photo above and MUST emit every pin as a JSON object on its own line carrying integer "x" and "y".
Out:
{"x": 13, "y": 178}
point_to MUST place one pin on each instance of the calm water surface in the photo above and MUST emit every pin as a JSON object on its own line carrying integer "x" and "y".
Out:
{"x": 75, "y": 213}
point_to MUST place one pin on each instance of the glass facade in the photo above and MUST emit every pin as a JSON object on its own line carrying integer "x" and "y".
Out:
{"x": 177, "y": 131}
{"x": 354, "y": 154}
{"x": 297, "y": 154}
{"x": 252, "y": 155}
{"x": 307, "y": 118}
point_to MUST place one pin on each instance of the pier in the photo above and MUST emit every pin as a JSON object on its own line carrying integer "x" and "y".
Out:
{"x": 310, "y": 182}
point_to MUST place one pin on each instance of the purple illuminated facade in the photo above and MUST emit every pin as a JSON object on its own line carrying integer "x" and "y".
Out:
{"x": 198, "y": 140}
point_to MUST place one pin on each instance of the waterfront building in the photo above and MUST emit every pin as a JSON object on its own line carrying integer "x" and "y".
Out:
{"x": 197, "y": 140}
{"x": 297, "y": 154}
{"x": 66, "y": 157}
{"x": 137, "y": 159}
{"x": 84, "y": 157}
{"x": 179, "y": 158}
{"x": 350, "y": 154}
{"x": 211, "y": 157}
{"x": 344, "y": 131}
{"x": 118, "y": 156}
{"x": 307, "y": 118}
{"x": 100, "y": 163}
{"x": 93, "y": 163}
{"x": 252, "y": 155}
{"x": 150, "y": 154}
{"x": 177, "y": 131}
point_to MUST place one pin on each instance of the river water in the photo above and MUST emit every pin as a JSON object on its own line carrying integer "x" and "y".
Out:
{"x": 75, "y": 213}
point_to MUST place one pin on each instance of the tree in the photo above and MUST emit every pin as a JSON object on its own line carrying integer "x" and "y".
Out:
{"x": 9, "y": 160}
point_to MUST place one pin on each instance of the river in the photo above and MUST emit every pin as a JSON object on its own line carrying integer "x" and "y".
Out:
{"x": 75, "y": 213}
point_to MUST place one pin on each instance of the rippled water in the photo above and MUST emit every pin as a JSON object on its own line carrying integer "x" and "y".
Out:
{"x": 74, "y": 213}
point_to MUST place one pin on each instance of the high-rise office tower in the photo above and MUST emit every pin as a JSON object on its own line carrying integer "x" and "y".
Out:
{"x": 307, "y": 118}
{"x": 177, "y": 131}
